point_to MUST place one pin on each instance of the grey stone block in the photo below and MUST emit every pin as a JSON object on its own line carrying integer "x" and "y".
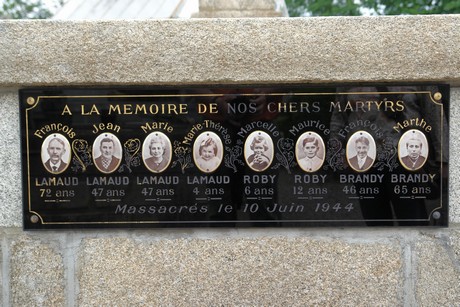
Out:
{"x": 10, "y": 160}
{"x": 36, "y": 274}
{"x": 454, "y": 159}
{"x": 200, "y": 51}
{"x": 256, "y": 272}
{"x": 438, "y": 270}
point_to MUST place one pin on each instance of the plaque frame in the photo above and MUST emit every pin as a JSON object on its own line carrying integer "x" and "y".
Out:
{"x": 298, "y": 106}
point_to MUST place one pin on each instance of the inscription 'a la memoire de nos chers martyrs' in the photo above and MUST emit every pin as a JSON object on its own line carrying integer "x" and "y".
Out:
{"x": 92, "y": 109}
{"x": 88, "y": 108}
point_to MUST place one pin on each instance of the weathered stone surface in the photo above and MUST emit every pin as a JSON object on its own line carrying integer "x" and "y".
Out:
{"x": 2, "y": 281}
{"x": 10, "y": 160}
{"x": 438, "y": 270}
{"x": 264, "y": 50}
{"x": 36, "y": 274}
{"x": 242, "y": 272}
{"x": 454, "y": 159}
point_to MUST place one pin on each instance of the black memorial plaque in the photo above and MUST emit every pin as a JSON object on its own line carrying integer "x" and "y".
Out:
{"x": 364, "y": 155}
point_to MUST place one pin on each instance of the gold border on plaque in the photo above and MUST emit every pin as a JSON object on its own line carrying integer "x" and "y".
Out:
{"x": 38, "y": 98}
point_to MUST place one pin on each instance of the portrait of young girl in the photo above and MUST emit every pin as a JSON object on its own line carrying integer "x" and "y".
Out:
{"x": 208, "y": 152}
{"x": 258, "y": 151}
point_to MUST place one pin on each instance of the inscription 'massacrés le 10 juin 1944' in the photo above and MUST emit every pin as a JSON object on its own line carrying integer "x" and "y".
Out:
{"x": 270, "y": 156}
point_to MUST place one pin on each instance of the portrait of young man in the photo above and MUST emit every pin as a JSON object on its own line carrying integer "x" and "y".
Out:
{"x": 55, "y": 153}
{"x": 361, "y": 151}
{"x": 107, "y": 153}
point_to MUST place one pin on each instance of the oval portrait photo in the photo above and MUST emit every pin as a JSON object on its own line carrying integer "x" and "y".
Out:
{"x": 208, "y": 152}
{"x": 107, "y": 153}
{"x": 156, "y": 152}
{"x": 361, "y": 151}
{"x": 55, "y": 153}
{"x": 310, "y": 151}
{"x": 258, "y": 151}
{"x": 413, "y": 150}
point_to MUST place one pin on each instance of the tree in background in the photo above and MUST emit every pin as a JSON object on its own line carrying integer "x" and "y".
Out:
{"x": 37, "y": 9}
{"x": 27, "y": 9}
{"x": 370, "y": 7}
{"x": 398, "y": 7}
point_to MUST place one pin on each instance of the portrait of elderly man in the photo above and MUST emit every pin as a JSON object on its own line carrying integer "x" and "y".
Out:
{"x": 310, "y": 147}
{"x": 106, "y": 162}
{"x": 56, "y": 149}
{"x": 414, "y": 159}
{"x": 159, "y": 158}
{"x": 361, "y": 162}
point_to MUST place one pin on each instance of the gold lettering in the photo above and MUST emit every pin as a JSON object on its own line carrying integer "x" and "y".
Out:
{"x": 115, "y": 108}
{"x": 348, "y": 107}
{"x": 389, "y": 105}
{"x": 210, "y": 108}
{"x": 335, "y": 105}
{"x": 413, "y": 122}
{"x": 202, "y": 108}
{"x": 399, "y": 105}
{"x": 140, "y": 109}
{"x": 103, "y": 126}
{"x": 66, "y": 110}
{"x": 127, "y": 109}
{"x": 157, "y": 126}
{"x": 93, "y": 110}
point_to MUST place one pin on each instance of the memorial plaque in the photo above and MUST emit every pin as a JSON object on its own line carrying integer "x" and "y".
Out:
{"x": 272, "y": 156}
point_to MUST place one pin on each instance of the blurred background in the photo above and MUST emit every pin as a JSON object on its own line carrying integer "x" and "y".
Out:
{"x": 148, "y": 9}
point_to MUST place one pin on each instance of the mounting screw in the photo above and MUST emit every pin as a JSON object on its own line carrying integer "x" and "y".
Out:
{"x": 437, "y": 96}
{"x": 436, "y": 215}
{"x": 34, "y": 219}
{"x": 31, "y": 101}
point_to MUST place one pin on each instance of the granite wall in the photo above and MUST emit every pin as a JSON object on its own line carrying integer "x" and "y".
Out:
{"x": 410, "y": 266}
